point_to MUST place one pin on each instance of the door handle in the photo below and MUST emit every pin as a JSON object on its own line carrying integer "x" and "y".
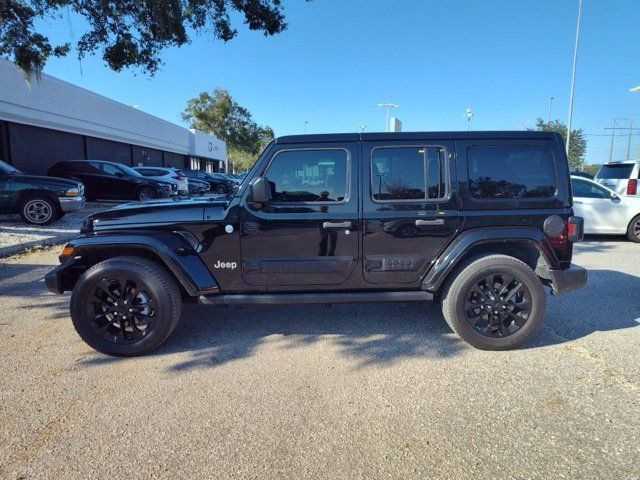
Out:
{"x": 423, "y": 223}
{"x": 337, "y": 225}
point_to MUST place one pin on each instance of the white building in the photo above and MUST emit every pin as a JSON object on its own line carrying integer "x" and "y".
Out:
{"x": 48, "y": 120}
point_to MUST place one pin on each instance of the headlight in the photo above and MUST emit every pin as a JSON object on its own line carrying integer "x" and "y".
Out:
{"x": 72, "y": 192}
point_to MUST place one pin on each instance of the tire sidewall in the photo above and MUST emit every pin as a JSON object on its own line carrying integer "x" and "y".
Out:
{"x": 464, "y": 329}
{"x": 151, "y": 194}
{"x": 80, "y": 318}
{"x": 52, "y": 206}
{"x": 630, "y": 233}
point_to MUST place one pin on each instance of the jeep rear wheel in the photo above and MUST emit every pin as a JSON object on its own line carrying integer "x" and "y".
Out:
{"x": 125, "y": 306}
{"x": 494, "y": 302}
{"x": 38, "y": 210}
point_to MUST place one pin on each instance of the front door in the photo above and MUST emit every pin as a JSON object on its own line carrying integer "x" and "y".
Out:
{"x": 5, "y": 191}
{"x": 308, "y": 233}
{"x": 409, "y": 208}
{"x": 595, "y": 205}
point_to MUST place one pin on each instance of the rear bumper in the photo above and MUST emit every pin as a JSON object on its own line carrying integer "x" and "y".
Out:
{"x": 71, "y": 204}
{"x": 567, "y": 280}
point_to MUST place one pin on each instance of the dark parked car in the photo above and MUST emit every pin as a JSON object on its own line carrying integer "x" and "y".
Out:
{"x": 218, "y": 183}
{"x": 112, "y": 181}
{"x": 39, "y": 200}
{"x": 198, "y": 187}
{"x": 324, "y": 219}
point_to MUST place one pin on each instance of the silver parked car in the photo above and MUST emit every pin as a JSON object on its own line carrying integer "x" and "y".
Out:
{"x": 604, "y": 211}
{"x": 621, "y": 177}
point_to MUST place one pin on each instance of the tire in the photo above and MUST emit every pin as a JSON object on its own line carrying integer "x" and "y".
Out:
{"x": 148, "y": 289}
{"x": 469, "y": 306}
{"x": 38, "y": 210}
{"x": 221, "y": 189}
{"x": 145, "y": 194}
{"x": 633, "y": 230}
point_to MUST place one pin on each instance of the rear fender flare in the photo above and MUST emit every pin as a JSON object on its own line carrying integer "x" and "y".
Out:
{"x": 458, "y": 249}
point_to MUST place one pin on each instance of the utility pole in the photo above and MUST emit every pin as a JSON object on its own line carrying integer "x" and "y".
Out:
{"x": 549, "y": 114}
{"x": 387, "y": 106}
{"x": 629, "y": 141}
{"x": 468, "y": 114}
{"x": 613, "y": 136}
{"x": 362, "y": 127}
{"x": 573, "y": 76}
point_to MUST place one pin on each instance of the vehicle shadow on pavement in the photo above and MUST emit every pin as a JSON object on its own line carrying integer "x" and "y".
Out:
{"x": 599, "y": 243}
{"x": 609, "y": 301}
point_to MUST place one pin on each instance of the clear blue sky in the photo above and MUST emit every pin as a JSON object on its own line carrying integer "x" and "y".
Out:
{"x": 339, "y": 59}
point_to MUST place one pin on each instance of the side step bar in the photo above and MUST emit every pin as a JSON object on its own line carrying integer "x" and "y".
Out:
{"x": 319, "y": 297}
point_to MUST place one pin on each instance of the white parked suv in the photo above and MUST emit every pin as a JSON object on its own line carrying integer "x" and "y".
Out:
{"x": 621, "y": 177}
{"x": 604, "y": 211}
{"x": 167, "y": 174}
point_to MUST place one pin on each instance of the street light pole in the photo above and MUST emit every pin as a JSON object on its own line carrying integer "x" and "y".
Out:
{"x": 387, "y": 106}
{"x": 549, "y": 114}
{"x": 306, "y": 124}
{"x": 468, "y": 114}
{"x": 573, "y": 77}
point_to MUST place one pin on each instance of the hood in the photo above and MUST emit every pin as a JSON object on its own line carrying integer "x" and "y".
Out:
{"x": 165, "y": 211}
{"x": 41, "y": 179}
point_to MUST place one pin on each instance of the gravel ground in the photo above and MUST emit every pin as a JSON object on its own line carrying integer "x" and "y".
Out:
{"x": 16, "y": 235}
{"x": 350, "y": 391}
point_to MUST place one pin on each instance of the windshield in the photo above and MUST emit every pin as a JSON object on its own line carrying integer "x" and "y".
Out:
{"x": 6, "y": 168}
{"x": 129, "y": 171}
{"x": 619, "y": 171}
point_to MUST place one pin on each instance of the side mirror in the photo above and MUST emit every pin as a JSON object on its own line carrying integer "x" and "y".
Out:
{"x": 260, "y": 190}
{"x": 614, "y": 196}
{"x": 119, "y": 174}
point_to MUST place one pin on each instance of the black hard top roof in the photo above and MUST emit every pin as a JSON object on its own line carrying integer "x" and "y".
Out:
{"x": 378, "y": 136}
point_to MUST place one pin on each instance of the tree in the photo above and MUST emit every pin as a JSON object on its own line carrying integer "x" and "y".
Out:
{"x": 129, "y": 33}
{"x": 578, "y": 145}
{"x": 220, "y": 115}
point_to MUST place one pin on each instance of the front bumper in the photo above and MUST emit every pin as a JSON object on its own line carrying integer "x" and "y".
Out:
{"x": 71, "y": 204}
{"x": 54, "y": 280}
{"x": 567, "y": 280}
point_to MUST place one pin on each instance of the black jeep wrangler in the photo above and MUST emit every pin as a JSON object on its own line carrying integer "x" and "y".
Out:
{"x": 480, "y": 221}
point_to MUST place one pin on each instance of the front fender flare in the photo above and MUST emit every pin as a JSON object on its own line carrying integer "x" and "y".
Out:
{"x": 455, "y": 252}
{"x": 175, "y": 252}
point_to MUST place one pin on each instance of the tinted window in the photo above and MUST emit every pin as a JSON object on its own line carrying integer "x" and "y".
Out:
{"x": 510, "y": 172}
{"x": 111, "y": 169}
{"x": 582, "y": 189}
{"x": 83, "y": 167}
{"x": 308, "y": 176}
{"x": 408, "y": 173}
{"x": 620, "y": 171}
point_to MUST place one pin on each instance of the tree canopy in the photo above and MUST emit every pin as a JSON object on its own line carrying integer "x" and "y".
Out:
{"x": 219, "y": 114}
{"x": 128, "y": 33}
{"x": 577, "y": 145}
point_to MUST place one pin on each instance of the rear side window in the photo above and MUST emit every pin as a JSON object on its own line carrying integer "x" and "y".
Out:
{"x": 83, "y": 167}
{"x": 308, "y": 175}
{"x": 510, "y": 172}
{"x": 408, "y": 173}
{"x": 621, "y": 171}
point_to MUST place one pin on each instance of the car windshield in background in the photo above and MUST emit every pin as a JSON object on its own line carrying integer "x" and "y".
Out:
{"x": 129, "y": 170}
{"x": 619, "y": 171}
{"x": 6, "y": 168}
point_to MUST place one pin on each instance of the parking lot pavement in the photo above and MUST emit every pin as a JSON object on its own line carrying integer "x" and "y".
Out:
{"x": 16, "y": 235}
{"x": 349, "y": 391}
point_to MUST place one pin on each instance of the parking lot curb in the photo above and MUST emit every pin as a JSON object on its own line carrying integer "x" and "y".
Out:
{"x": 47, "y": 242}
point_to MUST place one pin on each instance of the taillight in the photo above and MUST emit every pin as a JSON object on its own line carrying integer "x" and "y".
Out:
{"x": 632, "y": 186}
{"x": 575, "y": 229}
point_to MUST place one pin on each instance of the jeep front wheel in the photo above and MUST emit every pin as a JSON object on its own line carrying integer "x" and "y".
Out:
{"x": 125, "y": 306}
{"x": 494, "y": 302}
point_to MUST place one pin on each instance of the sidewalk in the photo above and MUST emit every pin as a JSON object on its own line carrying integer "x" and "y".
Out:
{"x": 16, "y": 235}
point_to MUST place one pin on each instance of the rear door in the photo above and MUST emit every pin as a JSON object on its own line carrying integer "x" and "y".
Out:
{"x": 308, "y": 233}
{"x": 409, "y": 208}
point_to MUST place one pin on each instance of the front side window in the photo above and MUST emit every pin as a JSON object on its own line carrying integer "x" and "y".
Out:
{"x": 308, "y": 175}
{"x": 408, "y": 173}
{"x": 582, "y": 189}
{"x": 510, "y": 172}
{"x": 112, "y": 170}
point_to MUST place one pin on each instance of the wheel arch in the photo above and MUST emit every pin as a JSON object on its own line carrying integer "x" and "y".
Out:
{"x": 22, "y": 195}
{"x": 524, "y": 243}
{"x": 168, "y": 249}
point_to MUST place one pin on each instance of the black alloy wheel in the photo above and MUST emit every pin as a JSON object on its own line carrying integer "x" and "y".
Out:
{"x": 498, "y": 305}
{"x": 121, "y": 309}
